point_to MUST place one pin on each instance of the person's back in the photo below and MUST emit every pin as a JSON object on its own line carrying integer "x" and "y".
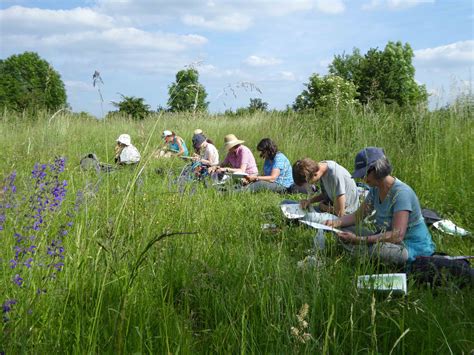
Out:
{"x": 129, "y": 155}
{"x": 338, "y": 181}
{"x": 125, "y": 152}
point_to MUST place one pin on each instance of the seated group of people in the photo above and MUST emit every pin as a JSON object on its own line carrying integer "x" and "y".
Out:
{"x": 400, "y": 233}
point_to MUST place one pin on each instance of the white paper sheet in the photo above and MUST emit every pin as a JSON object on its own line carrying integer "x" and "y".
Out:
{"x": 321, "y": 226}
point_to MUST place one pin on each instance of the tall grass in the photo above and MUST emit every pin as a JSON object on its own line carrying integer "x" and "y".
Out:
{"x": 224, "y": 285}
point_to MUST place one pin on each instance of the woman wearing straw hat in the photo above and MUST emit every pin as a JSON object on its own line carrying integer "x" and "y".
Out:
{"x": 401, "y": 233}
{"x": 125, "y": 152}
{"x": 239, "y": 158}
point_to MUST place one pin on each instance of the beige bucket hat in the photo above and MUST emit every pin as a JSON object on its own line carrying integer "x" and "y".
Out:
{"x": 231, "y": 140}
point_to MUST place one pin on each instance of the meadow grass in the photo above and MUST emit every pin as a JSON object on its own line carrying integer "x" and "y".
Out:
{"x": 221, "y": 284}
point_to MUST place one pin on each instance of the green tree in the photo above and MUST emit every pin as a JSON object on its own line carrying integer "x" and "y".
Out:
{"x": 28, "y": 82}
{"x": 134, "y": 107}
{"x": 187, "y": 94}
{"x": 326, "y": 91}
{"x": 257, "y": 104}
{"x": 382, "y": 76}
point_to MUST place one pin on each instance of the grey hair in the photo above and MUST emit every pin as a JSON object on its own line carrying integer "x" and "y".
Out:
{"x": 381, "y": 168}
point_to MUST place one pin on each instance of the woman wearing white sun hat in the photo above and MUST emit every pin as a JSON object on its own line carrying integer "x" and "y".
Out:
{"x": 125, "y": 152}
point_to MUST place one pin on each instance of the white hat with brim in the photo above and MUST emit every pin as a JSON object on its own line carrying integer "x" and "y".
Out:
{"x": 231, "y": 141}
{"x": 124, "y": 139}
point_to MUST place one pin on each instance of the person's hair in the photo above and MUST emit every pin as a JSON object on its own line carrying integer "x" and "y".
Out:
{"x": 381, "y": 168}
{"x": 303, "y": 170}
{"x": 208, "y": 140}
{"x": 268, "y": 146}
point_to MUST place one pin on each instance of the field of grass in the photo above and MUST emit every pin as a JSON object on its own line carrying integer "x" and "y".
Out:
{"x": 147, "y": 269}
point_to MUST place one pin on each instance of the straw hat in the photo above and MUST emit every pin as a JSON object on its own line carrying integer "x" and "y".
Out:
{"x": 231, "y": 140}
{"x": 124, "y": 139}
{"x": 198, "y": 131}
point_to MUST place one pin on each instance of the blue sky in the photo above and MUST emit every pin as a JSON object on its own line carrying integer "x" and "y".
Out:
{"x": 237, "y": 46}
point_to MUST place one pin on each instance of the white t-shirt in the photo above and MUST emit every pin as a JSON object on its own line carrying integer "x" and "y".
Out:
{"x": 211, "y": 154}
{"x": 129, "y": 155}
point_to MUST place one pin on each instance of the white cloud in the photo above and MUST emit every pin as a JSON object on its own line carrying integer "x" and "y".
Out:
{"x": 330, "y": 6}
{"x": 234, "y": 22}
{"x": 236, "y": 15}
{"x": 288, "y": 76}
{"x": 394, "y": 4}
{"x": 256, "y": 61}
{"x": 19, "y": 20}
{"x": 461, "y": 53}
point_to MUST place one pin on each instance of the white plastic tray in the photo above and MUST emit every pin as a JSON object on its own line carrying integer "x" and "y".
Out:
{"x": 292, "y": 211}
{"x": 396, "y": 283}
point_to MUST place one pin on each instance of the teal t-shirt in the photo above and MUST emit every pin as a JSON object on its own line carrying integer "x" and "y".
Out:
{"x": 174, "y": 145}
{"x": 401, "y": 197}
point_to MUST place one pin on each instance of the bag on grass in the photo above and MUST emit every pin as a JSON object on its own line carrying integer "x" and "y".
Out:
{"x": 439, "y": 269}
{"x": 90, "y": 162}
{"x": 430, "y": 216}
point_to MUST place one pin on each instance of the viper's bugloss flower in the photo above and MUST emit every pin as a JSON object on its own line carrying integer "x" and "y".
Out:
{"x": 6, "y": 306}
{"x": 18, "y": 279}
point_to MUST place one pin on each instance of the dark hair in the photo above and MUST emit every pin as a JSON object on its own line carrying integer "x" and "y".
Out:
{"x": 268, "y": 146}
{"x": 303, "y": 170}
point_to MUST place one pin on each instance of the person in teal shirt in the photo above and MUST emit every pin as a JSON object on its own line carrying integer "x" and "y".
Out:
{"x": 401, "y": 233}
{"x": 175, "y": 144}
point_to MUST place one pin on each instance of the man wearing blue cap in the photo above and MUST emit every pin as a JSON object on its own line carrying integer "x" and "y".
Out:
{"x": 401, "y": 234}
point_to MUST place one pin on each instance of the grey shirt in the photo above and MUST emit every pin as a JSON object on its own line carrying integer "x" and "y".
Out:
{"x": 337, "y": 181}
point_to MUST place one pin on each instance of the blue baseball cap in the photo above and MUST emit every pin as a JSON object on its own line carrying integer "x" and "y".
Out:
{"x": 364, "y": 160}
{"x": 198, "y": 139}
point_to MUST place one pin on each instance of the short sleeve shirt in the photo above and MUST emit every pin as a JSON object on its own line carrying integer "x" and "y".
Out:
{"x": 401, "y": 197}
{"x": 211, "y": 152}
{"x": 129, "y": 155}
{"x": 337, "y": 181}
{"x": 282, "y": 163}
{"x": 242, "y": 155}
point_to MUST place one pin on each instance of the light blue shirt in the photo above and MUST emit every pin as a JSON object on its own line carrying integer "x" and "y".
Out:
{"x": 279, "y": 162}
{"x": 401, "y": 197}
{"x": 174, "y": 145}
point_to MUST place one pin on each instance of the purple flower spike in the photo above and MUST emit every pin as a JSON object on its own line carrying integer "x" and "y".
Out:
{"x": 18, "y": 280}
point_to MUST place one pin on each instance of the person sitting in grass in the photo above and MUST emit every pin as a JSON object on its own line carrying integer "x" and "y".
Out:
{"x": 174, "y": 145}
{"x": 401, "y": 233}
{"x": 277, "y": 175}
{"x": 125, "y": 152}
{"x": 207, "y": 152}
{"x": 239, "y": 158}
{"x": 339, "y": 194}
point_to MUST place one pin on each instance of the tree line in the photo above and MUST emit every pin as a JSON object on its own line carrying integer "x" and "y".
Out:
{"x": 28, "y": 82}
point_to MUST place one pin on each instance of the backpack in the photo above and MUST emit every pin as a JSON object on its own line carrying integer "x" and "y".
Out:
{"x": 440, "y": 269}
{"x": 90, "y": 162}
{"x": 430, "y": 216}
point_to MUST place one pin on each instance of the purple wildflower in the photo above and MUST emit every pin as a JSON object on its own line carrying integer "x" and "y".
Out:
{"x": 6, "y": 306}
{"x": 18, "y": 280}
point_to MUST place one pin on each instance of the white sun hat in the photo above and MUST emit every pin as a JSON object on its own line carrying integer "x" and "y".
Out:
{"x": 124, "y": 139}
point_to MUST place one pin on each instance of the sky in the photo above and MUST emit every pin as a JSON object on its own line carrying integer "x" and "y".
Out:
{"x": 242, "y": 49}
